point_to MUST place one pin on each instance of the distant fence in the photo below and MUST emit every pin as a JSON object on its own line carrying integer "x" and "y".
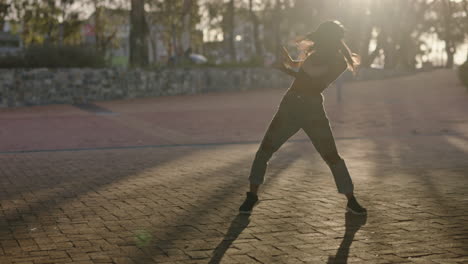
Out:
{"x": 19, "y": 87}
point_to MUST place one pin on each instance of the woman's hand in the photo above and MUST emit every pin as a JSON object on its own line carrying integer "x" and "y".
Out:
{"x": 285, "y": 64}
{"x": 284, "y": 61}
{"x": 288, "y": 61}
{"x": 285, "y": 56}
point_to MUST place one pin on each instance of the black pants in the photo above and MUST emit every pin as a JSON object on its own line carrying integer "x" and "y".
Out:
{"x": 295, "y": 113}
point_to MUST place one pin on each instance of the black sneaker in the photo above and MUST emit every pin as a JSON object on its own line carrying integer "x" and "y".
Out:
{"x": 354, "y": 207}
{"x": 249, "y": 203}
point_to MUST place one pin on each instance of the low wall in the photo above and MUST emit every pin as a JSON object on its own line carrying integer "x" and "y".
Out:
{"x": 20, "y": 87}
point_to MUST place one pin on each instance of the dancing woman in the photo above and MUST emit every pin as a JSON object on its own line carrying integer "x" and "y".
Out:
{"x": 302, "y": 108}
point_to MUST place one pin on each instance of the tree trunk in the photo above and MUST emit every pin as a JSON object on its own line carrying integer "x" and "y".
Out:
{"x": 391, "y": 35}
{"x": 450, "y": 47}
{"x": 175, "y": 45}
{"x": 138, "y": 35}
{"x": 403, "y": 36}
{"x": 257, "y": 44}
{"x": 364, "y": 47}
{"x": 3, "y": 12}
{"x": 97, "y": 25}
{"x": 186, "y": 18}
{"x": 355, "y": 27}
{"x": 465, "y": 8}
{"x": 277, "y": 28}
{"x": 367, "y": 62}
{"x": 368, "y": 57}
{"x": 230, "y": 31}
{"x": 153, "y": 36}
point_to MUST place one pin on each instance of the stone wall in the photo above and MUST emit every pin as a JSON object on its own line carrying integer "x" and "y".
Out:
{"x": 20, "y": 87}
{"x": 48, "y": 86}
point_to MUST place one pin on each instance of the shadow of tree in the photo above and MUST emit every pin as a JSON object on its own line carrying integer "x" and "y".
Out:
{"x": 235, "y": 229}
{"x": 195, "y": 217}
{"x": 352, "y": 224}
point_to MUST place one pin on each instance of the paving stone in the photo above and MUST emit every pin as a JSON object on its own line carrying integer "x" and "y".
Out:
{"x": 162, "y": 181}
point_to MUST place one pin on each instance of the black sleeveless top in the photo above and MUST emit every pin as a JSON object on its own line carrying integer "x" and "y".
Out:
{"x": 306, "y": 85}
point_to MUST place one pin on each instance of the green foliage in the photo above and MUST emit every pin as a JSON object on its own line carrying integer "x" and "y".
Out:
{"x": 108, "y": 22}
{"x": 169, "y": 16}
{"x": 52, "y": 56}
{"x": 45, "y": 21}
{"x": 3, "y": 12}
{"x": 400, "y": 32}
{"x": 463, "y": 73}
{"x": 40, "y": 21}
{"x": 63, "y": 56}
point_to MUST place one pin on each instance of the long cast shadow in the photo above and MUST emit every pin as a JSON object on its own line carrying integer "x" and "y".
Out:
{"x": 235, "y": 229}
{"x": 72, "y": 187}
{"x": 352, "y": 224}
{"x": 226, "y": 195}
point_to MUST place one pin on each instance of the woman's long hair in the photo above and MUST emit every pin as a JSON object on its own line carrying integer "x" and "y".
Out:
{"x": 328, "y": 38}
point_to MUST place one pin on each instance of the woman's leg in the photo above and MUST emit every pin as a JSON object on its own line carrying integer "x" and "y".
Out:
{"x": 279, "y": 131}
{"x": 321, "y": 135}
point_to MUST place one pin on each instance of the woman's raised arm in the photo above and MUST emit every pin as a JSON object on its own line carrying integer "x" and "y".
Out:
{"x": 288, "y": 60}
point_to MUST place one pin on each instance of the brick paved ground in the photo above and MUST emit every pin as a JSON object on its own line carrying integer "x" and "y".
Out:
{"x": 80, "y": 187}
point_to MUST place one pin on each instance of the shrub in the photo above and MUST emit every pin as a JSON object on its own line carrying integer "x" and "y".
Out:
{"x": 54, "y": 56}
{"x": 463, "y": 73}
{"x": 12, "y": 61}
